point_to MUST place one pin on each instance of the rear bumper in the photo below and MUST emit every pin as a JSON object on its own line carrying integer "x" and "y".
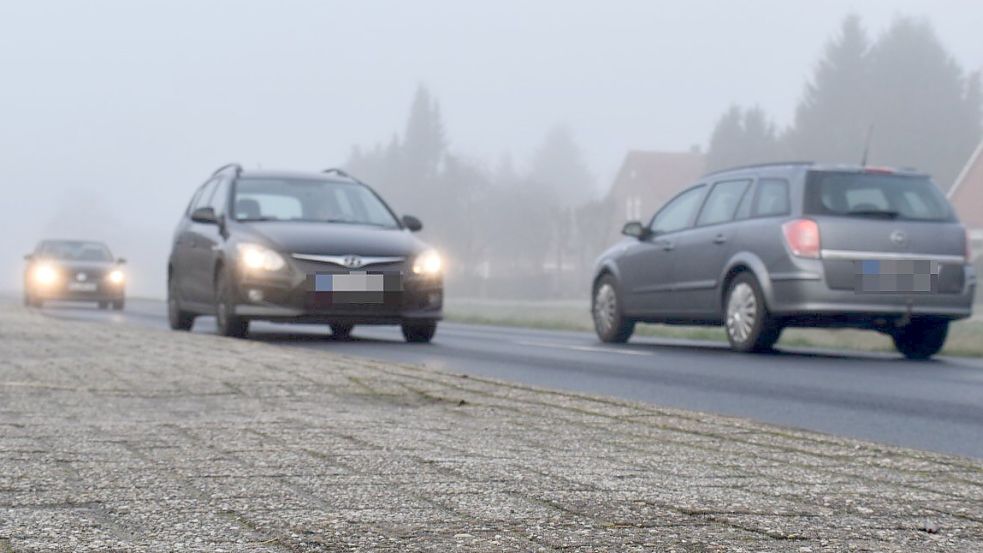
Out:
{"x": 810, "y": 300}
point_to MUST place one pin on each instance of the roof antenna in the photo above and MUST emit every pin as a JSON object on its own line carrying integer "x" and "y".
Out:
{"x": 870, "y": 135}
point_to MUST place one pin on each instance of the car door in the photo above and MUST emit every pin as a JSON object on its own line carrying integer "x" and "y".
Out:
{"x": 211, "y": 239}
{"x": 702, "y": 251}
{"x": 646, "y": 265}
{"x": 201, "y": 235}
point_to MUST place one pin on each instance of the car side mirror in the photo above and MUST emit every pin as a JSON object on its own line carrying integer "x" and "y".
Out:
{"x": 204, "y": 215}
{"x": 412, "y": 223}
{"x": 635, "y": 229}
{"x": 121, "y": 260}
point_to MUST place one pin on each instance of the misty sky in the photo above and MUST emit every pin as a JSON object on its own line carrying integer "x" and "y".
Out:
{"x": 119, "y": 109}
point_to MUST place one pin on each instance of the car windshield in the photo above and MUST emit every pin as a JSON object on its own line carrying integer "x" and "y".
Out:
{"x": 875, "y": 195}
{"x": 270, "y": 199}
{"x": 75, "y": 251}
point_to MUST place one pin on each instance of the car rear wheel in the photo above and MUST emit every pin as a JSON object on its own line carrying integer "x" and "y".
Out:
{"x": 341, "y": 330}
{"x": 228, "y": 323}
{"x": 921, "y": 339}
{"x": 610, "y": 323}
{"x": 749, "y": 325}
{"x": 177, "y": 318}
{"x": 419, "y": 332}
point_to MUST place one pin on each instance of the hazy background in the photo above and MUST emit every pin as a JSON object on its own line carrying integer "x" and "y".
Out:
{"x": 111, "y": 113}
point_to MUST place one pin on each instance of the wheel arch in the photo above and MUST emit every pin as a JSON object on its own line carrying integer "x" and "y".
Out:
{"x": 744, "y": 263}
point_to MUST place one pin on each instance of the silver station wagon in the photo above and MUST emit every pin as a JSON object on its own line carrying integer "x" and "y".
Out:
{"x": 761, "y": 248}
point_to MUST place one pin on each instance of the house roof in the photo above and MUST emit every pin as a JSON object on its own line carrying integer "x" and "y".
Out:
{"x": 656, "y": 176}
{"x": 967, "y": 192}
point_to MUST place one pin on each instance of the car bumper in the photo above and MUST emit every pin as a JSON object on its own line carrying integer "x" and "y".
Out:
{"x": 61, "y": 293}
{"x": 295, "y": 301}
{"x": 809, "y": 299}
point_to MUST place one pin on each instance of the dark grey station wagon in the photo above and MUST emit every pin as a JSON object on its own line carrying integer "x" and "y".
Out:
{"x": 761, "y": 248}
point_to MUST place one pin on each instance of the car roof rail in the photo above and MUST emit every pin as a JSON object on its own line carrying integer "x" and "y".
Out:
{"x": 341, "y": 173}
{"x": 235, "y": 166}
{"x": 758, "y": 165}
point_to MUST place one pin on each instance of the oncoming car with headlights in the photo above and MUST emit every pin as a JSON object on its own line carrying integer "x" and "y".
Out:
{"x": 74, "y": 270}
{"x": 300, "y": 247}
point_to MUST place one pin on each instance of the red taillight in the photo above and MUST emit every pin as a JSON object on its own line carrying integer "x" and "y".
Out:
{"x": 802, "y": 237}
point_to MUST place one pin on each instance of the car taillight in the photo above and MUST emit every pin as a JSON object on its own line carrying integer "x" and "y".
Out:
{"x": 802, "y": 237}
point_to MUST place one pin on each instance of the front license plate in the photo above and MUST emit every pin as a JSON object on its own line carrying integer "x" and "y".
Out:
{"x": 909, "y": 276}
{"x": 356, "y": 287}
{"x": 82, "y": 286}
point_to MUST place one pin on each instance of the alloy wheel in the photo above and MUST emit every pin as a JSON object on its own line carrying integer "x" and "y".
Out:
{"x": 742, "y": 312}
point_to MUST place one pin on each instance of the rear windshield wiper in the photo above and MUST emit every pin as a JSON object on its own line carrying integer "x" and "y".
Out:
{"x": 886, "y": 213}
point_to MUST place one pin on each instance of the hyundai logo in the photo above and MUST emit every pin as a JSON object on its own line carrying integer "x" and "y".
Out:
{"x": 899, "y": 237}
{"x": 353, "y": 261}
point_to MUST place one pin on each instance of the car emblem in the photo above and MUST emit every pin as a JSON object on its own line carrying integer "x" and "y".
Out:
{"x": 899, "y": 238}
{"x": 81, "y": 277}
{"x": 353, "y": 261}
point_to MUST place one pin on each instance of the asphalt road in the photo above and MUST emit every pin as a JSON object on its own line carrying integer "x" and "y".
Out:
{"x": 935, "y": 405}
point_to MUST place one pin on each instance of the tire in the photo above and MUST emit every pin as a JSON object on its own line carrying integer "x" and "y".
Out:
{"x": 419, "y": 332}
{"x": 921, "y": 339}
{"x": 104, "y": 305}
{"x": 228, "y": 323}
{"x": 177, "y": 318}
{"x": 341, "y": 331}
{"x": 610, "y": 323}
{"x": 119, "y": 304}
{"x": 31, "y": 301}
{"x": 749, "y": 325}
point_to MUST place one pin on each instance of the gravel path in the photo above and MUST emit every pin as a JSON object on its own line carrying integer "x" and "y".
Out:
{"x": 125, "y": 439}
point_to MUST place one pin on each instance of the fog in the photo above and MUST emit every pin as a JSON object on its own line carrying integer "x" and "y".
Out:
{"x": 111, "y": 113}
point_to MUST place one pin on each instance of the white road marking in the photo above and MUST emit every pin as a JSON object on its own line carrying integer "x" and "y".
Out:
{"x": 581, "y": 348}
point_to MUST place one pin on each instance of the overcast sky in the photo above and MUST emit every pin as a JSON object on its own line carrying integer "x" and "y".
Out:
{"x": 123, "y": 107}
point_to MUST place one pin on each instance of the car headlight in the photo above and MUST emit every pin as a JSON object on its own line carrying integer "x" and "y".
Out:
{"x": 45, "y": 275}
{"x": 116, "y": 276}
{"x": 254, "y": 257}
{"x": 427, "y": 263}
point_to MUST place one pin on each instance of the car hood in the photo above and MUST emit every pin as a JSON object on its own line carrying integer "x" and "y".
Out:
{"x": 334, "y": 238}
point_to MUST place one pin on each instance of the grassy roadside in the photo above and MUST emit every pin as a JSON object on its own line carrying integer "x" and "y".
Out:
{"x": 965, "y": 337}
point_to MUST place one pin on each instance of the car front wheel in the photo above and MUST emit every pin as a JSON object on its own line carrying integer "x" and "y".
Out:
{"x": 749, "y": 326}
{"x": 228, "y": 323}
{"x": 610, "y": 323}
{"x": 419, "y": 332}
{"x": 176, "y": 317}
{"x": 921, "y": 339}
{"x": 341, "y": 330}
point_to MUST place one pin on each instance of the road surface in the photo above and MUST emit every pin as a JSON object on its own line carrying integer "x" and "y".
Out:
{"x": 935, "y": 405}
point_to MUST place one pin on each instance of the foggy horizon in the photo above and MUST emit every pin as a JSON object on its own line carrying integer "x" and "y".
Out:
{"x": 120, "y": 111}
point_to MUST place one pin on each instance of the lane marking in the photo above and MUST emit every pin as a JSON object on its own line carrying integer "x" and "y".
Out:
{"x": 581, "y": 348}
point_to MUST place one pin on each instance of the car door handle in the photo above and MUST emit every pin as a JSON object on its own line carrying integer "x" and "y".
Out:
{"x": 666, "y": 245}
{"x": 719, "y": 239}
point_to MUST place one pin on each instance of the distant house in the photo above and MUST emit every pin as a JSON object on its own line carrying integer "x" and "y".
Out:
{"x": 647, "y": 179}
{"x": 966, "y": 194}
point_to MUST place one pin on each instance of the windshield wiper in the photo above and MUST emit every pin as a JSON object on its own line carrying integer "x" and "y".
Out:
{"x": 254, "y": 219}
{"x": 886, "y": 213}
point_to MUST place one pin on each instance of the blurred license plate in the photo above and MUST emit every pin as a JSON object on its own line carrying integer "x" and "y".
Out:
{"x": 910, "y": 276}
{"x": 82, "y": 286}
{"x": 356, "y": 287}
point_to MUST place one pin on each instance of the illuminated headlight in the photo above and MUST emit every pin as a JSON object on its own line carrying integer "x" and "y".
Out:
{"x": 427, "y": 263}
{"x": 254, "y": 257}
{"x": 116, "y": 276}
{"x": 45, "y": 275}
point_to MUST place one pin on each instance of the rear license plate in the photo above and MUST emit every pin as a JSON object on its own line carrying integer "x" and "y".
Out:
{"x": 908, "y": 276}
{"x": 82, "y": 286}
{"x": 356, "y": 287}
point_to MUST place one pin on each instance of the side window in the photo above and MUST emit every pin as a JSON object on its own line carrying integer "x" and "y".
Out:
{"x": 677, "y": 214}
{"x": 771, "y": 199}
{"x": 220, "y": 196}
{"x": 722, "y": 202}
{"x": 203, "y": 197}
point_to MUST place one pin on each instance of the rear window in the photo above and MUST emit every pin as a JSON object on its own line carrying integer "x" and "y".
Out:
{"x": 875, "y": 195}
